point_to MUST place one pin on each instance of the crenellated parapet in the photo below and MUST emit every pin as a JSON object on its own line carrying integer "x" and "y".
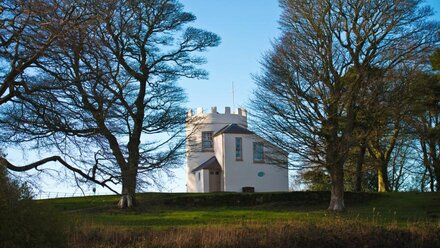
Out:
{"x": 200, "y": 111}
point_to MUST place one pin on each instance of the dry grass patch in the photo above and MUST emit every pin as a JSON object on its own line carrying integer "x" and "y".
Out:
{"x": 336, "y": 233}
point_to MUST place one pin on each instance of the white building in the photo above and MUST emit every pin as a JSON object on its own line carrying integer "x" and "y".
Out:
{"x": 223, "y": 155}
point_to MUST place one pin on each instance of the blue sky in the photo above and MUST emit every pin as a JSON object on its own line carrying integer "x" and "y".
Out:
{"x": 246, "y": 28}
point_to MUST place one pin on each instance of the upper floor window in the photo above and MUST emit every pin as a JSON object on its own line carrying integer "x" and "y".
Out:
{"x": 258, "y": 152}
{"x": 238, "y": 148}
{"x": 207, "y": 141}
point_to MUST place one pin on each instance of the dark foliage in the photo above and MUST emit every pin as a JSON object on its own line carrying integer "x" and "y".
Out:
{"x": 24, "y": 223}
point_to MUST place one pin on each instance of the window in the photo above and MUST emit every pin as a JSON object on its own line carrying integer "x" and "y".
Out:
{"x": 198, "y": 175}
{"x": 207, "y": 141}
{"x": 258, "y": 152}
{"x": 238, "y": 149}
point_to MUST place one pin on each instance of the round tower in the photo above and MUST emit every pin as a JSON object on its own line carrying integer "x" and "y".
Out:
{"x": 200, "y": 129}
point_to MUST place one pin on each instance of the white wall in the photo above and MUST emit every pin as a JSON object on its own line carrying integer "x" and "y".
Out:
{"x": 202, "y": 184}
{"x": 219, "y": 154}
{"x": 212, "y": 121}
{"x": 205, "y": 181}
{"x": 244, "y": 173}
{"x": 198, "y": 181}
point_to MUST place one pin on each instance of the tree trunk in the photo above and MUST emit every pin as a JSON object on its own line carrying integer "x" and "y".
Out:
{"x": 431, "y": 178}
{"x": 128, "y": 199}
{"x": 435, "y": 163}
{"x": 437, "y": 175}
{"x": 431, "y": 182}
{"x": 337, "y": 191}
{"x": 427, "y": 164}
{"x": 382, "y": 177}
{"x": 336, "y": 169}
{"x": 359, "y": 165}
{"x": 422, "y": 181}
{"x": 336, "y": 152}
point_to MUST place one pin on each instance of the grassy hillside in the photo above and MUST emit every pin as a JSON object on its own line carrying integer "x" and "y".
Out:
{"x": 229, "y": 219}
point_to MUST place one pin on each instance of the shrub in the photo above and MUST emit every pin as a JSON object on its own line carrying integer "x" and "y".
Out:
{"x": 23, "y": 222}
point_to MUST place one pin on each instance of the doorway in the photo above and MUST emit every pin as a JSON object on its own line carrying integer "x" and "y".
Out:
{"x": 214, "y": 181}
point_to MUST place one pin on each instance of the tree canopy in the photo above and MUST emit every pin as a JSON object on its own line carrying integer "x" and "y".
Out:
{"x": 320, "y": 72}
{"x": 107, "y": 95}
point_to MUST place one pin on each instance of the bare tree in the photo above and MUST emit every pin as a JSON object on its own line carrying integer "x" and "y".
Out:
{"x": 27, "y": 30}
{"x": 426, "y": 123}
{"x": 305, "y": 100}
{"x": 112, "y": 104}
{"x": 389, "y": 112}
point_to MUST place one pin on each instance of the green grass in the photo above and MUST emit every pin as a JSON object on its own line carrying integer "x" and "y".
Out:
{"x": 405, "y": 207}
{"x": 296, "y": 219}
{"x": 165, "y": 210}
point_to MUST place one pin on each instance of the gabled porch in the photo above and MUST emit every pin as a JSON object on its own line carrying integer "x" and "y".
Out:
{"x": 209, "y": 176}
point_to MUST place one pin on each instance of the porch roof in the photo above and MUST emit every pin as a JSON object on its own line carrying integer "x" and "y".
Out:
{"x": 210, "y": 164}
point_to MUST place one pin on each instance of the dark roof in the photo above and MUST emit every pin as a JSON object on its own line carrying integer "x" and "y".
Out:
{"x": 211, "y": 163}
{"x": 233, "y": 128}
